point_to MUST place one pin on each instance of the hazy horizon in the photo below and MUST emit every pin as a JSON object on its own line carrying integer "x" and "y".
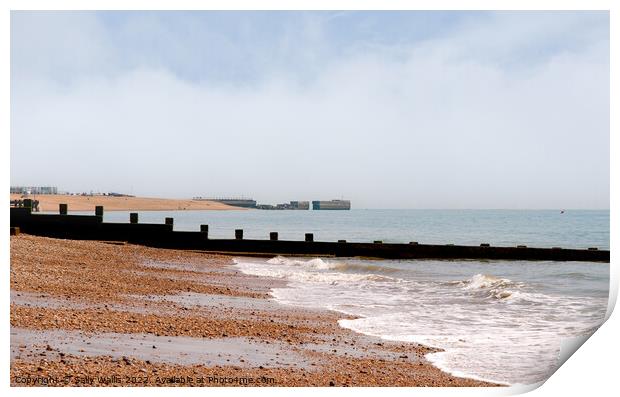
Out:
{"x": 391, "y": 110}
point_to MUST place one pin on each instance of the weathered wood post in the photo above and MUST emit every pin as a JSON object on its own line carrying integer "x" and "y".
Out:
{"x": 99, "y": 210}
{"x": 239, "y": 234}
{"x": 378, "y": 242}
{"x": 485, "y": 245}
{"x": 273, "y": 236}
{"x": 342, "y": 241}
{"x": 204, "y": 229}
{"x": 309, "y": 237}
{"x": 63, "y": 209}
{"x": 169, "y": 221}
{"x": 133, "y": 217}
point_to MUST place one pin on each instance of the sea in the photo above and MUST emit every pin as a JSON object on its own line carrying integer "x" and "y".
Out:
{"x": 497, "y": 320}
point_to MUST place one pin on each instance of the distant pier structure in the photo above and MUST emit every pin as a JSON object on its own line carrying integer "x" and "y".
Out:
{"x": 331, "y": 205}
{"x": 233, "y": 201}
{"x": 300, "y": 205}
{"x": 292, "y": 205}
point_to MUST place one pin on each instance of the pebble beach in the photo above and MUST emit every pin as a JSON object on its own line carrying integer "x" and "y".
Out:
{"x": 88, "y": 313}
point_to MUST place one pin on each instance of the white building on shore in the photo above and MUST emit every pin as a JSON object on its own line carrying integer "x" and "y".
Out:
{"x": 34, "y": 190}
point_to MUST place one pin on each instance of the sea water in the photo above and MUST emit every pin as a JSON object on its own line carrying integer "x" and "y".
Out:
{"x": 538, "y": 228}
{"x": 501, "y": 321}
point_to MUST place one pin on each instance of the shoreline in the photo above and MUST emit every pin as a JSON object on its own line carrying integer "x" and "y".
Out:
{"x": 50, "y": 202}
{"x": 91, "y": 313}
{"x": 432, "y": 349}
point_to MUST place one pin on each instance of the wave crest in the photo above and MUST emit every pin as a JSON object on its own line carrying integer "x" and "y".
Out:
{"x": 489, "y": 286}
{"x": 316, "y": 263}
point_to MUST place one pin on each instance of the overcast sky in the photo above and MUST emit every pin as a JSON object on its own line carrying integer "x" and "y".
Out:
{"x": 388, "y": 109}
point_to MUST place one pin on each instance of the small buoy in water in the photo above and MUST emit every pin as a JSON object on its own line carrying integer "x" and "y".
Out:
{"x": 561, "y": 211}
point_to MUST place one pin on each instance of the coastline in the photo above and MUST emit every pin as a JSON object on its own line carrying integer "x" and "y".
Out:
{"x": 50, "y": 202}
{"x": 91, "y": 313}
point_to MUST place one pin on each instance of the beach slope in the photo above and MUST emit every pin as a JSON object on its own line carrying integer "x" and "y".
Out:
{"x": 49, "y": 202}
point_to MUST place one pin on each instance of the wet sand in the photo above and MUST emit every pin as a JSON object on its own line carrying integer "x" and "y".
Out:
{"x": 50, "y": 202}
{"x": 87, "y": 313}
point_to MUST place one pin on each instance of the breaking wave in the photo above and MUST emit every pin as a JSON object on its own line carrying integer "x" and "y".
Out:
{"x": 489, "y": 327}
{"x": 488, "y": 286}
{"x": 315, "y": 270}
{"x": 330, "y": 264}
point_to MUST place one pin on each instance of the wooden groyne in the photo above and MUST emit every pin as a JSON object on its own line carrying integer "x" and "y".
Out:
{"x": 92, "y": 227}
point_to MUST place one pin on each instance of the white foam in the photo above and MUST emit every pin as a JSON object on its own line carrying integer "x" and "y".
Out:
{"x": 485, "y": 281}
{"x": 316, "y": 263}
{"x": 304, "y": 271}
{"x": 490, "y": 327}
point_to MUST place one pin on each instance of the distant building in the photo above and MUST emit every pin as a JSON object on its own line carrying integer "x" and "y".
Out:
{"x": 331, "y": 205}
{"x": 34, "y": 190}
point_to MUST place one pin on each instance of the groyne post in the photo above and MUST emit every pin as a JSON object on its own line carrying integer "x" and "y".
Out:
{"x": 99, "y": 210}
{"x": 169, "y": 221}
{"x": 309, "y": 237}
{"x": 204, "y": 229}
{"x": 238, "y": 234}
{"x": 273, "y": 236}
{"x": 63, "y": 209}
{"x": 133, "y": 217}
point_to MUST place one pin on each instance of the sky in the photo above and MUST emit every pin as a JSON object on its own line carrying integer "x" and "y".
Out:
{"x": 416, "y": 109}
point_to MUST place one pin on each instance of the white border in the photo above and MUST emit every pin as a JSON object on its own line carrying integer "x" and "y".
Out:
{"x": 592, "y": 370}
